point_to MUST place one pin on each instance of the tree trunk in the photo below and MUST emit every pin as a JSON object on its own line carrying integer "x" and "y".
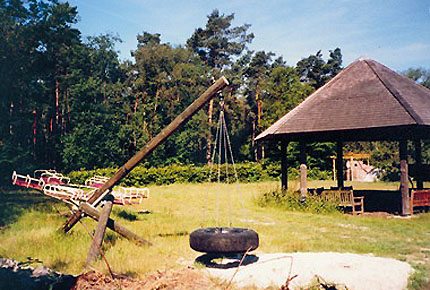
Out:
{"x": 34, "y": 133}
{"x": 254, "y": 147}
{"x": 57, "y": 102}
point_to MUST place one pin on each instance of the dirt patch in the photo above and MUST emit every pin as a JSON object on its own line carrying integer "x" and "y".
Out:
{"x": 15, "y": 275}
{"x": 180, "y": 279}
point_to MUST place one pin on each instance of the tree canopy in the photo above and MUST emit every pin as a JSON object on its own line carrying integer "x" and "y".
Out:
{"x": 70, "y": 103}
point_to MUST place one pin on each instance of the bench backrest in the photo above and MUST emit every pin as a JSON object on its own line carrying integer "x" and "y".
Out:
{"x": 341, "y": 197}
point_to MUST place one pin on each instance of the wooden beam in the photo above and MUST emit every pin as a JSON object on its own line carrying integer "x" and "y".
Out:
{"x": 418, "y": 164}
{"x": 149, "y": 147}
{"x": 404, "y": 183}
{"x": 284, "y": 165}
{"x": 114, "y": 225}
{"x": 100, "y": 232}
{"x": 334, "y": 169}
{"x": 303, "y": 170}
{"x": 339, "y": 164}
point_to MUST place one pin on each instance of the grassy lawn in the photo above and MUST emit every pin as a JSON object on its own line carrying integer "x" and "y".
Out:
{"x": 29, "y": 224}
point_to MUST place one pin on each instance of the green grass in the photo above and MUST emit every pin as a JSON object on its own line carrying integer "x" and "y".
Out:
{"x": 29, "y": 228}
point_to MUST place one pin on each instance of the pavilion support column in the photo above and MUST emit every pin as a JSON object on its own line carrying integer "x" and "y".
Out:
{"x": 339, "y": 164}
{"x": 404, "y": 184}
{"x": 284, "y": 165}
{"x": 418, "y": 164}
{"x": 303, "y": 170}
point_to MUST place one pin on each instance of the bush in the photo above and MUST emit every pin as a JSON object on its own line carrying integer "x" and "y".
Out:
{"x": 247, "y": 172}
{"x": 292, "y": 201}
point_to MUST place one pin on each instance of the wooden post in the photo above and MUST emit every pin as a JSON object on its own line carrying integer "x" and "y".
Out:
{"x": 100, "y": 232}
{"x": 334, "y": 169}
{"x": 303, "y": 170}
{"x": 404, "y": 183}
{"x": 284, "y": 165}
{"x": 339, "y": 164}
{"x": 114, "y": 225}
{"x": 418, "y": 164}
{"x": 149, "y": 147}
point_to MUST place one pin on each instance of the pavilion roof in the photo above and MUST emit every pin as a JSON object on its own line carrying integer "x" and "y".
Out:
{"x": 365, "y": 101}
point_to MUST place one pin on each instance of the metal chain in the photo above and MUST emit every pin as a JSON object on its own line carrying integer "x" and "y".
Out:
{"x": 226, "y": 167}
{"x": 222, "y": 141}
{"x": 244, "y": 213}
{"x": 219, "y": 168}
{"x": 206, "y": 205}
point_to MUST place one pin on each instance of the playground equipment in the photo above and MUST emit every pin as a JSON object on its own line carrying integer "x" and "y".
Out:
{"x": 96, "y": 181}
{"x": 358, "y": 167}
{"x": 27, "y": 181}
{"x": 65, "y": 193}
{"x": 223, "y": 241}
{"x": 56, "y": 185}
{"x": 39, "y": 179}
{"x": 103, "y": 193}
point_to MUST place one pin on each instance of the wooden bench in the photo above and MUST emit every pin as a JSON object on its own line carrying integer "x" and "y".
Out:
{"x": 344, "y": 197}
{"x": 420, "y": 197}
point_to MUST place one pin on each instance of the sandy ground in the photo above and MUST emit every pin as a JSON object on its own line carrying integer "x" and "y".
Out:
{"x": 351, "y": 270}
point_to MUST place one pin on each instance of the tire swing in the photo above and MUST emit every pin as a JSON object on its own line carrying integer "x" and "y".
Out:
{"x": 223, "y": 241}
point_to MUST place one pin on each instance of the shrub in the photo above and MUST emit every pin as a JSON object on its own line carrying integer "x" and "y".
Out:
{"x": 291, "y": 200}
{"x": 247, "y": 172}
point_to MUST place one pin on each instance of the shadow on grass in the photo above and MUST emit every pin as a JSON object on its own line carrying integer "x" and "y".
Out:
{"x": 14, "y": 201}
{"x": 127, "y": 215}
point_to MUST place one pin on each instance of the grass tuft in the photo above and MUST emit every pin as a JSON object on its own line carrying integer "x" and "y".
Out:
{"x": 291, "y": 200}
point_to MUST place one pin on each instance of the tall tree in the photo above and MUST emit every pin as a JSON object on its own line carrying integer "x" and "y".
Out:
{"x": 256, "y": 74}
{"x": 316, "y": 71}
{"x": 165, "y": 80}
{"x": 217, "y": 44}
{"x": 95, "y": 96}
{"x": 35, "y": 40}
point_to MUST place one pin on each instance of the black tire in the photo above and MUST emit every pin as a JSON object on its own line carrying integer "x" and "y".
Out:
{"x": 223, "y": 240}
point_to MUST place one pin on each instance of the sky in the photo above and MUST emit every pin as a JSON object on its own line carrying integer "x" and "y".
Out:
{"x": 393, "y": 32}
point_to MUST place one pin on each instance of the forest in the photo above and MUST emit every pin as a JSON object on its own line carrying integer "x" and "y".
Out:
{"x": 68, "y": 102}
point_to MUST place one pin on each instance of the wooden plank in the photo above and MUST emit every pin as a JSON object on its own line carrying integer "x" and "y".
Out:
{"x": 100, "y": 232}
{"x": 149, "y": 147}
{"x": 114, "y": 225}
{"x": 404, "y": 182}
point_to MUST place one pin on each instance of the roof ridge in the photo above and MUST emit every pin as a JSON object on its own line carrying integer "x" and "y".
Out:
{"x": 275, "y": 126}
{"x": 395, "y": 93}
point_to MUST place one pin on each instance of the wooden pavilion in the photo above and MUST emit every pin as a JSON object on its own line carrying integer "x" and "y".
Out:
{"x": 365, "y": 102}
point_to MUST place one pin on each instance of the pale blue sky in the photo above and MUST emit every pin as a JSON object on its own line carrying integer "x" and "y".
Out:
{"x": 393, "y": 32}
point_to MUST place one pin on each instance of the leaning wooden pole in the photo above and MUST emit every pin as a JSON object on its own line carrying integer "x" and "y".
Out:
{"x": 148, "y": 148}
{"x": 96, "y": 245}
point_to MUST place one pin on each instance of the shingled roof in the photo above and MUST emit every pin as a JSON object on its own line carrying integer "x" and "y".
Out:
{"x": 365, "y": 101}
